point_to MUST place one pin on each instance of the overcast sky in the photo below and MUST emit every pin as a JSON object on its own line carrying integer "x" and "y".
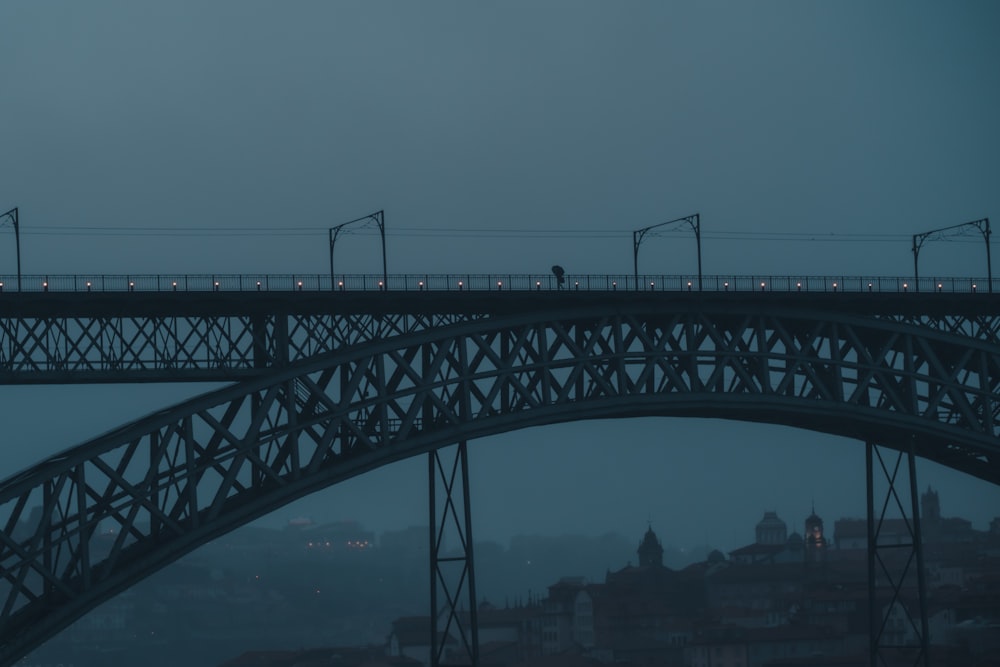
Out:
{"x": 588, "y": 119}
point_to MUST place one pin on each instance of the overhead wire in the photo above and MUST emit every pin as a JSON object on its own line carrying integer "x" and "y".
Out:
{"x": 485, "y": 232}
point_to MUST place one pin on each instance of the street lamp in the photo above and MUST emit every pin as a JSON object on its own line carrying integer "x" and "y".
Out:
{"x": 378, "y": 217}
{"x": 693, "y": 221}
{"x": 982, "y": 225}
{"x": 12, "y": 214}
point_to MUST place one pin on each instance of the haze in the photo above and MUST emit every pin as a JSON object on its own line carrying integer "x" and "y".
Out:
{"x": 279, "y": 120}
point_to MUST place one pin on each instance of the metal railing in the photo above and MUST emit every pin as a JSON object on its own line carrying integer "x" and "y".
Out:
{"x": 486, "y": 282}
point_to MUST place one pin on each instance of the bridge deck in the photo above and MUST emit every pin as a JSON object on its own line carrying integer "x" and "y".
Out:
{"x": 15, "y": 305}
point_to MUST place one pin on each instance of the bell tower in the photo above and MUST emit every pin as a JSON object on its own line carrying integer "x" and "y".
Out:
{"x": 814, "y": 541}
{"x": 650, "y": 550}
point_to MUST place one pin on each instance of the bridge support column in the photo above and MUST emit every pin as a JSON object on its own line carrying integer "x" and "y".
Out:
{"x": 897, "y": 601}
{"x": 454, "y": 631}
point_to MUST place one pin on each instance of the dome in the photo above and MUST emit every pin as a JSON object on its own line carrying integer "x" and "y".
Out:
{"x": 771, "y": 529}
{"x": 650, "y": 551}
{"x": 795, "y": 541}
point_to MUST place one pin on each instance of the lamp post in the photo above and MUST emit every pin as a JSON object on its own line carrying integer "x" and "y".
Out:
{"x": 12, "y": 214}
{"x": 983, "y": 225}
{"x": 693, "y": 221}
{"x": 378, "y": 217}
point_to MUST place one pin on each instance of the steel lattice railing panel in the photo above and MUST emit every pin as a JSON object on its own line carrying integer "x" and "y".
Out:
{"x": 154, "y": 337}
{"x": 83, "y": 525}
{"x": 167, "y": 347}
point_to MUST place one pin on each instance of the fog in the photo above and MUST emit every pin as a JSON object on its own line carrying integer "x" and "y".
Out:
{"x": 188, "y": 137}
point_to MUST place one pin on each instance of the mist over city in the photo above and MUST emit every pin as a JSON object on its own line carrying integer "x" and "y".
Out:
{"x": 676, "y": 281}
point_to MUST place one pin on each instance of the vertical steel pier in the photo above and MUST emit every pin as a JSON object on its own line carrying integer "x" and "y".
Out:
{"x": 890, "y": 566}
{"x": 454, "y": 632}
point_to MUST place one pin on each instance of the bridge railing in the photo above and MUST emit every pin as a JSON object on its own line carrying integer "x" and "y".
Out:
{"x": 486, "y": 282}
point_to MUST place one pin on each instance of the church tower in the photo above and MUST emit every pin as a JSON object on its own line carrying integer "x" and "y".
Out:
{"x": 815, "y": 543}
{"x": 650, "y": 550}
{"x": 930, "y": 505}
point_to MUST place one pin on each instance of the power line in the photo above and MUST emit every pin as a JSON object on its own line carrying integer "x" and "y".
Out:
{"x": 460, "y": 232}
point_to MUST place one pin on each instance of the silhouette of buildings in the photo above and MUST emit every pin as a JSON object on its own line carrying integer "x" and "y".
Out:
{"x": 787, "y": 598}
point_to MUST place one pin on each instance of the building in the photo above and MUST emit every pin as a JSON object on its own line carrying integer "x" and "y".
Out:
{"x": 815, "y": 542}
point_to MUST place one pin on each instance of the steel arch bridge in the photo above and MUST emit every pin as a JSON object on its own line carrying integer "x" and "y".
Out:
{"x": 330, "y": 389}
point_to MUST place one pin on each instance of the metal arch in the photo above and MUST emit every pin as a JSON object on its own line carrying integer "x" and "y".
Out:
{"x": 85, "y": 524}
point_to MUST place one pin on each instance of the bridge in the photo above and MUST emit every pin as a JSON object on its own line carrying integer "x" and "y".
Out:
{"x": 331, "y": 377}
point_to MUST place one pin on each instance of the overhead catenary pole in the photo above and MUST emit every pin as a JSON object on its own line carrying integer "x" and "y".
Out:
{"x": 693, "y": 221}
{"x": 983, "y": 225}
{"x": 13, "y": 215}
{"x": 378, "y": 217}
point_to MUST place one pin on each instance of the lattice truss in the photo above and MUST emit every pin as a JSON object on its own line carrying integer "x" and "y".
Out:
{"x": 83, "y": 525}
{"x": 86, "y": 349}
{"x": 977, "y": 327}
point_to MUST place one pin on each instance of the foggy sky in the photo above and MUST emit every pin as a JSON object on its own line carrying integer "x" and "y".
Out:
{"x": 770, "y": 116}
